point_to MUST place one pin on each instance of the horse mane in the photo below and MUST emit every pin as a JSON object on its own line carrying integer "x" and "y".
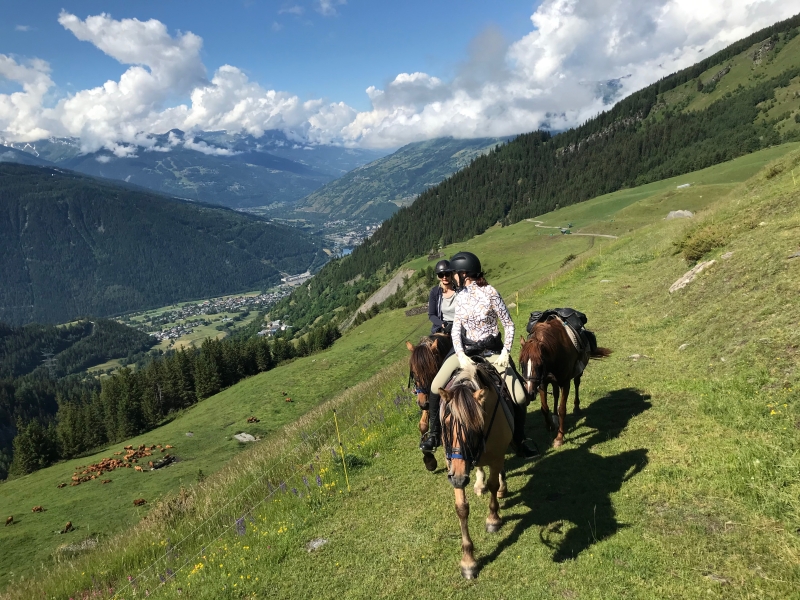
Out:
{"x": 463, "y": 407}
{"x": 425, "y": 360}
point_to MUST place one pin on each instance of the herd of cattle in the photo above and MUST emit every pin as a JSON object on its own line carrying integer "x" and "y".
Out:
{"x": 132, "y": 456}
{"x": 106, "y": 465}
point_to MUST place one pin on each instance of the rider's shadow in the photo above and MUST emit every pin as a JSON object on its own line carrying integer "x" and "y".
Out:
{"x": 568, "y": 493}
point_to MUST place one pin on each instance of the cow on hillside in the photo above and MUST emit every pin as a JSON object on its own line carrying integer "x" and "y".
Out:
{"x": 37, "y": 509}
{"x": 139, "y": 502}
{"x": 9, "y": 521}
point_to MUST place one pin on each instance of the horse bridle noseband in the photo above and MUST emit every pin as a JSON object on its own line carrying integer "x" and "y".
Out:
{"x": 418, "y": 389}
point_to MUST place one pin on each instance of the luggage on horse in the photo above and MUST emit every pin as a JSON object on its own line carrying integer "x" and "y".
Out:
{"x": 573, "y": 319}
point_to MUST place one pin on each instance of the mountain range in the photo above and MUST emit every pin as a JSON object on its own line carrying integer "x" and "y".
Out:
{"x": 377, "y": 190}
{"x": 233, "y": 170}
{"x": 73, "y": 245}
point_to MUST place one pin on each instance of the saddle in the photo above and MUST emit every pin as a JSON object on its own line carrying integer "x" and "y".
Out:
{"x": 574, "y": 320}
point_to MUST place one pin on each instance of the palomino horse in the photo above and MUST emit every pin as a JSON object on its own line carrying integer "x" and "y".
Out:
{"x": 475, "y": 432}
{"x": 549, "y": 356}
{"x": 426, "y": 360}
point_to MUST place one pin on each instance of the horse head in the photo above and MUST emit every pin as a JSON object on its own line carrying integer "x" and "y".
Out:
{"x": 463, "y": 419}
{"x": 532, "y": 364}
{"x": 426, "y": 359}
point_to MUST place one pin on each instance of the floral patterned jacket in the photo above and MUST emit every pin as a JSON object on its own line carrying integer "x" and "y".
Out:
{"x": 478, "y": 310}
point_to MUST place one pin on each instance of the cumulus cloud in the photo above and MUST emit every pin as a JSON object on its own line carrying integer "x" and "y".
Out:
{"x": 579, "y": 56}
{"x": 294, "y": 9}
{"x": 327, "y": 8}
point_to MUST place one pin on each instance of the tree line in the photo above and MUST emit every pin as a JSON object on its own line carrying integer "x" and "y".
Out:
{"x": 129, "y": 402}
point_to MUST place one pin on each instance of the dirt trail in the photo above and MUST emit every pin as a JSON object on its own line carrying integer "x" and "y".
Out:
{"x": 543, "y": 226}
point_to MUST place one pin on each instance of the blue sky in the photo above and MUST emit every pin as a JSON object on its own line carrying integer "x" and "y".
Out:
{"x": 346, "y": 72}
{"x": 312, "y": 55}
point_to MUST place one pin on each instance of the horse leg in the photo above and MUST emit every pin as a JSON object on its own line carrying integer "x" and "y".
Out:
{"x": 577, "y": 407}
{"x": 545, "y": 408}
{"x": 480, "y": 481}
{"x": 562, "y": 415}
{"x": 493, "y": 521}
{"x": 469, "y": 565}
{"x": 501, "y": 492}
{"x": 423, "y": 422}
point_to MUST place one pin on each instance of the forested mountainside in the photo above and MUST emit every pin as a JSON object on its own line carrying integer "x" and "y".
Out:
{"x": 12, "y": 155}
{"x": 739, "y": 100}
{"x": 233, "y": 170}
{"x": 40, "y": 365}
{"x": 73, "y": 246}
{"x": 377, "y": 190}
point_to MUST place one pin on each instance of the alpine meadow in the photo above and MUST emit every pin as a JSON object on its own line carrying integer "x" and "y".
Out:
{"x": 198, "y": 402}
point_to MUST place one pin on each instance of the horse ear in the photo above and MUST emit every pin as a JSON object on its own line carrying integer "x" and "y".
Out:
{"x": 444, "y": 395}
{"x": 410, "y": 346}
{"x": 480, "y": 396}
{"x": 522, "y": 340}
{"x": 434, "y": 344}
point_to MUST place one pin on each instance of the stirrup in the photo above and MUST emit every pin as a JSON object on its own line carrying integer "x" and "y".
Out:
{"x": 429, "y": 443}
{"x": 526, "y": 449}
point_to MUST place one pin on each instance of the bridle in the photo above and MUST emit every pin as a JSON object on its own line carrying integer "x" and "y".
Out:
{"x": 538, "y": 381}
{"x": 418, "y": 388}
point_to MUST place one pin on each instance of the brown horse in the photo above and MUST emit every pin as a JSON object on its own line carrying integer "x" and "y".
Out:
{"x": 426, "y": 360}
{"x": 549, "y": 356}
{"x": 475, "y": 432}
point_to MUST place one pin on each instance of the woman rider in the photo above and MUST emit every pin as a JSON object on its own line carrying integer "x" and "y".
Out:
{"x": 442, "y": 299}
{"x": 479, "y": 307}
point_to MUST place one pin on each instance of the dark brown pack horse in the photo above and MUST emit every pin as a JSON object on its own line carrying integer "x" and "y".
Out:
{"x": 475, "y": 433}
{"x": 549, "y": 356}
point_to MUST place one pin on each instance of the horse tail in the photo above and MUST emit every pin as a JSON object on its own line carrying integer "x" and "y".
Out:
{"x": 599, "y": 353}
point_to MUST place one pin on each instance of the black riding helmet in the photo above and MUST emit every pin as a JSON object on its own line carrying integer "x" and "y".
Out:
{"x": 466, "y": 262}
{"x": 443, "y": 266}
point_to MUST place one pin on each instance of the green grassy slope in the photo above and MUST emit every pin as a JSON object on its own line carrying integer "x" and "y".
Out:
{"x": 680, "y": 479}
{"x": 692, "y": 418}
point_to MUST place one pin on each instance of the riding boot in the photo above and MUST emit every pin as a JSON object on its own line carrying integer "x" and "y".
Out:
{"x": 524, "y": 448}
{"x": 430, "y": 441}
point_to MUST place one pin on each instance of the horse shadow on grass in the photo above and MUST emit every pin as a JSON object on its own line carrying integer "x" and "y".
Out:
{"x": 568, "y": 492}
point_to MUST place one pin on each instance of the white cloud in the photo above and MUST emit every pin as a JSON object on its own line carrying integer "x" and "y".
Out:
{"x": 292, "y": 10}
{"x": 23, "y": 28}
{"x": 103, "y": 158}
{"x": 276, "y": 27}
{"x": 203, "y": 147}
{"x": 327, "y": 8}
{"x": 553, "y": 76}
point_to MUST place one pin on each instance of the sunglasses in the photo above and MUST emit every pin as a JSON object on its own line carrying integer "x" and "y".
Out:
{"x": 443, "y": 275}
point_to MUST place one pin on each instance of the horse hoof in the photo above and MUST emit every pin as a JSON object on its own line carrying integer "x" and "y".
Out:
{"x": 558, "y": 443}
{"x": 430, "y": 461}
{"x": 501, "y": 494}
{"x": 492, "y": 527}
{"x": 479, "y": 491}
{"x": 468, "y": 573}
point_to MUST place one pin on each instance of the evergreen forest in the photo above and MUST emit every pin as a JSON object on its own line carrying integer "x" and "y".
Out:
{"x": 75, "y": 246}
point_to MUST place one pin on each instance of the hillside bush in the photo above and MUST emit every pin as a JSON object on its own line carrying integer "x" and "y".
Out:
{"x": 696, "y": 243}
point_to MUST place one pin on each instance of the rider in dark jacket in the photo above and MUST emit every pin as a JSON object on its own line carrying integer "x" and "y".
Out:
{"x": 441, "y": 300}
